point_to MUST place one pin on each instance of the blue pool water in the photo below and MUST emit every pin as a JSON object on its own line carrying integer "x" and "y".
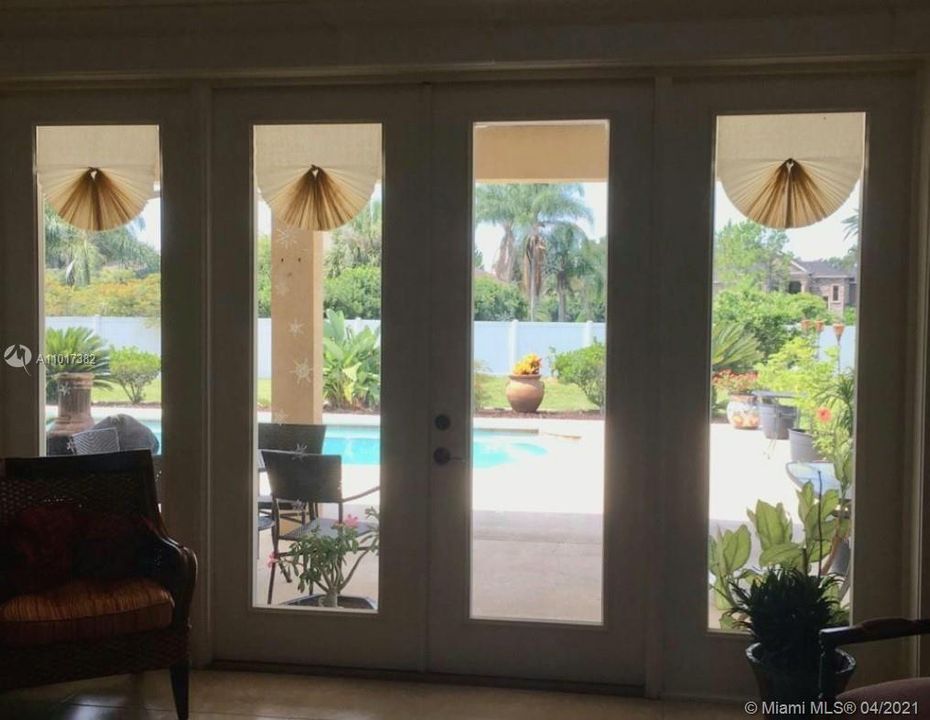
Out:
{"x": 362, "y": 445}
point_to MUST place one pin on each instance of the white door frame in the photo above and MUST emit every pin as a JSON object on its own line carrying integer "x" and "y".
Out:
{"x": 613, "y": 652}
{"x": 393, "y": 637}
{"x": 695, "y": 660}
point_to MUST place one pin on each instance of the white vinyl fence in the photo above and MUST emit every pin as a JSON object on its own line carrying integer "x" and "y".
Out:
{"x": 498, "y": 345}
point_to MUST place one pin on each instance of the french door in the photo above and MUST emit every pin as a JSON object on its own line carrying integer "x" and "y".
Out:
{"x": 459, "y": 583}
{"x": 543, "y": 246}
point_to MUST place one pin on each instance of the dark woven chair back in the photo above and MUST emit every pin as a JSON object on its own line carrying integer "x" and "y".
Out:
{"x": 120, "y": 482}
{"x": 304, "y": 477}
{"x": 133, "y": 435}
{"x": 294, "y": 437}
{"x": 92, "y": 442}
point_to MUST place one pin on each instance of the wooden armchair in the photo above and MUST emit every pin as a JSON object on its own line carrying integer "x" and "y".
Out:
{"x": 915, "y": 690}
{"x": 90, "y": 583}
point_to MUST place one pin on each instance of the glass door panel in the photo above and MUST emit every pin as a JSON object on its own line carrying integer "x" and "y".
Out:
{"x": 318, "y": 364}
{"x": 784, "y": 348}
{"x": 99, "y": 221}
{"x": 539, "y": 381}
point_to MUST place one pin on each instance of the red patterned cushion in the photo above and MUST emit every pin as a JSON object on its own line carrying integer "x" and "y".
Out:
{"x": 110, "y": 545}
{"x": 40, "y": 545}
{"x": 85, "y": 610}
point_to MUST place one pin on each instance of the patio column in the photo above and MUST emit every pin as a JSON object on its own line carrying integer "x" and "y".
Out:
{"x": 296, "y": 324}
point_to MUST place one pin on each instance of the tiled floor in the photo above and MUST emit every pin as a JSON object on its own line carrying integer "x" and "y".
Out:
{"x": 240, "y": 696}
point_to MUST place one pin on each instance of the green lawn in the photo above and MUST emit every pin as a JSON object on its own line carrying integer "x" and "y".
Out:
{"x": 558, "y": 398}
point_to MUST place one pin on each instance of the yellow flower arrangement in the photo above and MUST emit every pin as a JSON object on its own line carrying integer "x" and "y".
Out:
{"x": 529, "y": 365}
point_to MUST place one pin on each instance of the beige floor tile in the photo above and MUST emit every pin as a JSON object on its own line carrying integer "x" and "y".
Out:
{"x": 263, "y": 696}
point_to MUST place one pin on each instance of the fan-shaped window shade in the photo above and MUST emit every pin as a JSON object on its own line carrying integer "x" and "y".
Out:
{"x": 317, "y": 177}
{"x": 98, "y": 177}
{"x": 786, "y": 171}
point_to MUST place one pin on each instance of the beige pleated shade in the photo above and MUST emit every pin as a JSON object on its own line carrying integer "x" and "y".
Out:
{"x": 98, "y": 177}
{"x": 788, "y": 171}
{"x": 317, "y": 177}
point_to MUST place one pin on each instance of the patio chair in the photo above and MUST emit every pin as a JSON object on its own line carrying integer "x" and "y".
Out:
{"x": 91, "y": 584}
{"x": 94, "y": 442}
{"x": 295, "y": 437}
{"x": 914, "y": 690}
{"x": 310, "y": 479}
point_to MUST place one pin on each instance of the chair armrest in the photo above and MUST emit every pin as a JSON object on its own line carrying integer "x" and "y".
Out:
{"x": 174, "y": 567}
{"x": 867, "y": 631}
{"x": 369, "y": 491}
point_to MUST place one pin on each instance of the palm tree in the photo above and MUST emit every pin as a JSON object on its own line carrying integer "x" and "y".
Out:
{"x": 566, "y": 261}
{"x": 527, "y": 210}
{"x": 358, "y": 242}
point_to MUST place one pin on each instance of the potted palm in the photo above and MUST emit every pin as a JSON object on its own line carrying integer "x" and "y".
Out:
{"x": 76, "y": 361}
{"x": 321, "y": 559}
{"x": 525, "y": 390}
{"x": 784, "y": 611}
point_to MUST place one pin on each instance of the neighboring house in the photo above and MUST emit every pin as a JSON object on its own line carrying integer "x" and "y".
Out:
{"x": 835, "y": 285}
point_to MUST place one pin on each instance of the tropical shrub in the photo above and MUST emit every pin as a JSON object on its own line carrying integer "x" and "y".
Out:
{"x": 586, "y": 368}
{"x": 114, "y": 296}
{"x": 735, "y": 383}
{"x": 351, "y": 364}
{"x": 74, "y": 350}
{"x": 772, "y": 317}
{"x": 133, "y": 370}
{"x": 495, "y": 300}
{"x": 797, "y": 370}
{"x": 733, "y": 348}
{"x": 355, "y": 292}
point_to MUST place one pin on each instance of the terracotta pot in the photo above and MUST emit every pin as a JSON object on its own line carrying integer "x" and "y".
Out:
{"x": 73, "y": 405}
{"x": 525, "y": 393}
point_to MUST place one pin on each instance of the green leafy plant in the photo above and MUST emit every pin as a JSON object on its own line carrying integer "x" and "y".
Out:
{"x": 74, "y": 350}
{"x": 586, "y": 368}
{"x": 784, "y": 610}
{"x": 496, "y": 300}
{"x": 833, "y": 425}
{"x": 825, "y": 520}
{"x": 773, "y": 318}
{"x": 323, "y": 559}
{"x": 796, "y": 369}
{"x": 735, "y": 383}
{"x": 733, "y": 348}
{"x": 133, "y": 370}
{"x": 355, "y": 292}
{"x": 351, "y": 364}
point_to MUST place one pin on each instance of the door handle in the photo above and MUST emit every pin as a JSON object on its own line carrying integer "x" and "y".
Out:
{"x": 442, "y": 456}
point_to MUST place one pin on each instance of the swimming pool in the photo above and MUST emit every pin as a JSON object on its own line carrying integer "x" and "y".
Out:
{"x": 362, "y": 445}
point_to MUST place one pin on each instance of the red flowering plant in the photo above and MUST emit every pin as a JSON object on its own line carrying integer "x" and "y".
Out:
{"x": 736, "y": 383}
{"x": 322, "y": 558}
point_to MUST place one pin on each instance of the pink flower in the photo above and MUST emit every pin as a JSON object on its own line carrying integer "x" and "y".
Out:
{"x": 272, "y": 559}
{"x": 351, "y": 522}
{"x": 824, "y": 415}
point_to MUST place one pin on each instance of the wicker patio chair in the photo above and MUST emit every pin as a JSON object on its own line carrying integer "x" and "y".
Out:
{"x": 100, "y": 620}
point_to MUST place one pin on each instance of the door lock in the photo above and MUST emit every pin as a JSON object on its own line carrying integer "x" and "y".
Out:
{"x": 442, "y": 456}
{"x": 442, "y": 422}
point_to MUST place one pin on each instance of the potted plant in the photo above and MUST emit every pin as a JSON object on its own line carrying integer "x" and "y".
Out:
{"x": 525, "y": 390}
{"x": 784, "y": 611}
{"x": 742, "y": 410}
{"x": 797, "y": 370}
{"x": 322, "y": 559}
{"x": 76, "y": 360}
